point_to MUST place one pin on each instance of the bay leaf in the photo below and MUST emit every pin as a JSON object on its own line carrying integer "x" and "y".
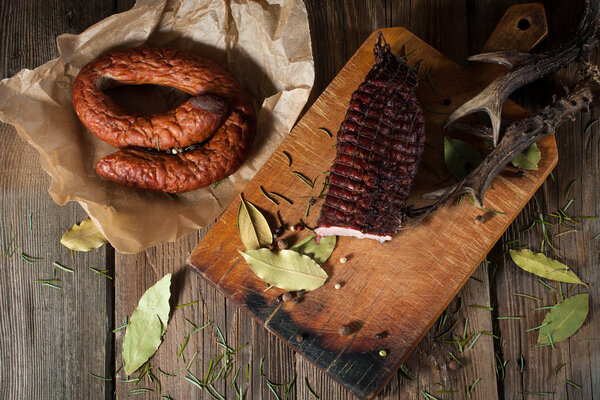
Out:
{"x": 564, "y": 319}
{"x": 285, "y": 269}
{"x": 253, "y": 227}
{"x": 84, "y": 236}
{"x": 460, "y": 157}
{"x": 319, "y": 252}
{"x": 528, "y": 158}
{"x": 147, "y": 325}
{"x": 540, "y": 265}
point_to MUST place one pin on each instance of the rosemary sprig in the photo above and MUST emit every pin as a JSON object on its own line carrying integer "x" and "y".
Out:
{"x": 509, "y": 317}
{"x": 157, "y": 144}
{"x": 405, "y": 372}
{"x": 538, "y": 393}
{"x": 123, "y": 326}
{"x": 183, "y": 346}
{"x": 279, "y": 196}
{"x": 310, "y": 391}
{"x": 488, "y": 333}
{"x": 527, "y": 296}
{"x": 428, "y": 395}
{"x": 474, "y": 341}
{"x": 30, "y": 216}
{"x": 427, "y": 75}
{"x": 30, "y": 259}
{"x": 62, "y": 267}
{"x": 311, "y": 201}
{"x": 558, "y": 368}
{"x": 139, "y": 391}
{"x": 304, "y": 179}
{"x": 100, "y": 377}
{"x": 537, "y": 327}
{"x": 187, "y": 304}
{"x": 264, "y": 192}
{"x": 289, "y": 158}
{"x": 101, "y": 272}
{"x": 482, "y": 307}
{"x": 472, "y": 387}
{"x": 217, "y": 183}
{"x": 48, "y": 282}
{"x": 568, "y": 191}
{"x": 326, "y": 132}
{"x": 573, "y": 384}
{"x": 522, "y": 363}
{"x": 8, "y": 247}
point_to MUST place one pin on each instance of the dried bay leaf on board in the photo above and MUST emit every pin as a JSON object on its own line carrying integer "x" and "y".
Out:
{"x": 460, "y": 157}
{"x": 147, "y": 325}
{"x": 319, "y": 252}
{"x": 285, "y": 269}
{"x": 540, "y": 265}
{"x": 84, "y": 236}
{"x": 528, "y": 158}
{"x": 564, "y": 319}
{"x": 253, "y": 227}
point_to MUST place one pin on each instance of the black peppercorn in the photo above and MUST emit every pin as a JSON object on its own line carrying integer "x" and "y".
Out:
{"x": 520, "y": 173}
{"x": 278, "y": 232}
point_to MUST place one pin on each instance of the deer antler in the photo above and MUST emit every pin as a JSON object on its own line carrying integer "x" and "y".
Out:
{"x": 521, "y": 134}
{"x": 526, "y": 68}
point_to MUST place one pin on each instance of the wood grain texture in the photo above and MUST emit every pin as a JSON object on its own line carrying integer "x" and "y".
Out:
{"x": 49, "y": 339}
{"x": 403, "y": 308}
{"x": 31, "y": 355}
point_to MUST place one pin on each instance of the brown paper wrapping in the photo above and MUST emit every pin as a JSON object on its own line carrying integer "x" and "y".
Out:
{"x": 265, "y": 44}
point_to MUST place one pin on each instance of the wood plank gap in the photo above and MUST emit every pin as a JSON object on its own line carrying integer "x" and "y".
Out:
{"x": 110, "y": 387}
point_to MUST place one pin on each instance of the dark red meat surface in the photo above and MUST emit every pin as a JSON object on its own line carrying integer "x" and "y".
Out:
{"x": 379, "y": 147}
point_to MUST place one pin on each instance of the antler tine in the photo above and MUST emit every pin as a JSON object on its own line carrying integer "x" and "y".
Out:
{"x": 510, "y": 58}
{"x": 490, "y": 101}
{"x": 527, "y": 68}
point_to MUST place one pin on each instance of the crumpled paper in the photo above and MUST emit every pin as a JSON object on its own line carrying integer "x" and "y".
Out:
{"x": 265, "y": 44}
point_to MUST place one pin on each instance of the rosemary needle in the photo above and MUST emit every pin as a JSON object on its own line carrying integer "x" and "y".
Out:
{"x": 100, "y": 377}
{"x": 101, "y": 272}
{"x": 60, "y": 266}
{"x": 310, "y": 391}
{"x": 187, "y": 304}
{"x": 274, "y": 194}
{"x": 304, "y": 179}
{"x": 326, "y": 132}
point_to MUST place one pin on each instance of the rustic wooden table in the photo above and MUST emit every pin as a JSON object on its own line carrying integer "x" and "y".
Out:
{"x": 51, "y": 341}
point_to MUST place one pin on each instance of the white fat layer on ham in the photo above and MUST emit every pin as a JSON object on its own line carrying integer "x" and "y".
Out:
{"x": 340, "y": 231}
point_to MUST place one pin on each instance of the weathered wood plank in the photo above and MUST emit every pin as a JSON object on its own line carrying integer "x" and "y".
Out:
{"x": 49, "y": 338}
{"x": 578, "y": 159}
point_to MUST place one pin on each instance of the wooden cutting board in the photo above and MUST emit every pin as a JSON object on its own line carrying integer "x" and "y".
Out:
{"x": 392, "y": 293}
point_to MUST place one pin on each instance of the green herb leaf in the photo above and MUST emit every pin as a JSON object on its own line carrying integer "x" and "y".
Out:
{"x": 528, "y": 158}
{"x": 253, "y": 227}
{"x": 84, "y": 236}
{"x": 319, "y": 252}
{"x": 286, "y": 269}
{"x": 564, "y": 319}
{"x": 460, "y": 157}
{"x": 540, "y": 265}
{"x": 145, "y": 330}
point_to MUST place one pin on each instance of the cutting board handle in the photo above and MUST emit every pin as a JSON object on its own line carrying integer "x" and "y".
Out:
{"x": 521, "y": 28}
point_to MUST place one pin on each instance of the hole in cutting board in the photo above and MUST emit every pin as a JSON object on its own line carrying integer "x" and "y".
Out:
{"x": 523, "y": 24}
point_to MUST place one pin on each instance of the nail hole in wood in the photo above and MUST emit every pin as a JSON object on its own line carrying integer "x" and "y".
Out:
{"x": 523, "y": 24}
